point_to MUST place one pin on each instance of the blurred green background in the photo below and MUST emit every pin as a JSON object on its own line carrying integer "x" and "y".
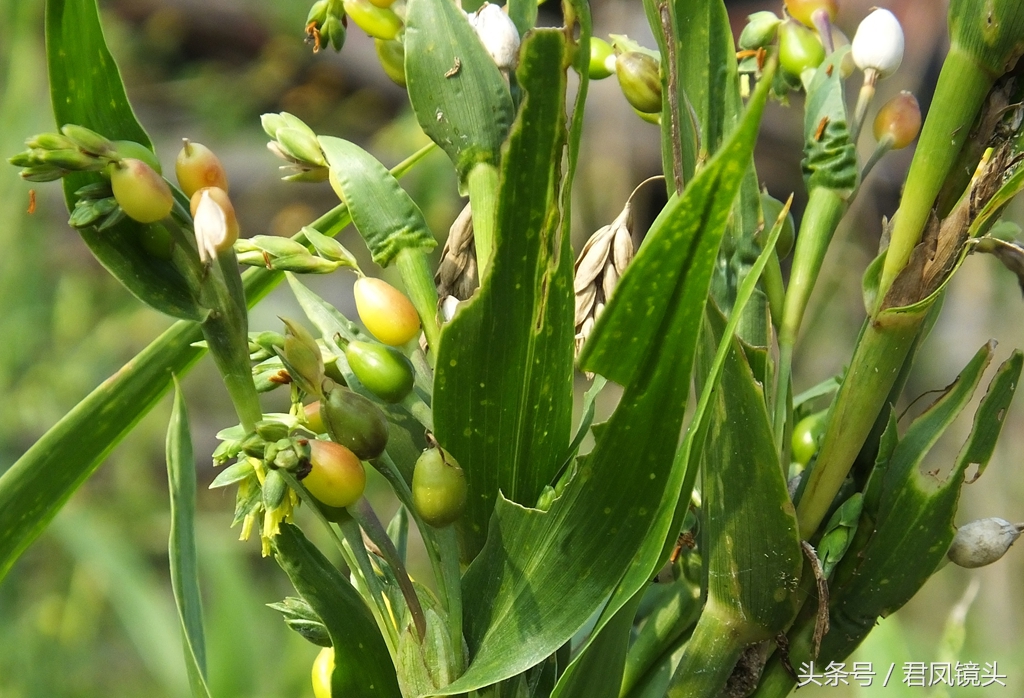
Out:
{"x": 87, "y": 611}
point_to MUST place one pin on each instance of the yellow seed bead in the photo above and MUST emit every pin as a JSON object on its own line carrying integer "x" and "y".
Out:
{"x": 386, "y": 311}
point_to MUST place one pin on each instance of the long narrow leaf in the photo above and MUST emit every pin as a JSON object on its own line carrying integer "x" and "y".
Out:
{"x": 503, "y": 388}
{"x": 606, "y": 511}
{"x": 181, "y": 480}
{"x": 86, "y": 89}
{"x": 137, "y": 597}
{"x": 362, "y": 664}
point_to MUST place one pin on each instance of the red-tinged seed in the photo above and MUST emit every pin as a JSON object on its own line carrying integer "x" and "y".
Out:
{"x": 197, "y": 167}
{"x": 899, "y": 119}
{"x": 140, "y": 192}
{"x": 336, "y": 477}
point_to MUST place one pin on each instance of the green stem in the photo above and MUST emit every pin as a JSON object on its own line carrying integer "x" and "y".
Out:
{"x": 825, "y": 208}
{"x": 867, "y": 93}
{"x": 883, "y": 147}
{"x": 664, "y": 626}
{"x": 482, "y": 183}
{"x": 419, "y": 284}
{"x": 877, "y": 361}
{"x": 367, "y": 519}
{"x": 451, "y": 580}
{"x": 70, "y": 451}
{"x": 960, "y": 93}
{"x": 366, "y": 581}
{"x": 226, "y": 330}
{"x": 709, "y": 657}
{"x": 387, "y": 467}
{"x": 374, "y": 588}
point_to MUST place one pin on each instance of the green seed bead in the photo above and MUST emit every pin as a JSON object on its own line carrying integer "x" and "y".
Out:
{"x": 131, "y": 149}
{"x": 799, "y": 48}
{"x": 600, "y": 53}
{"x": 354, "y": 422}
{"x": 378, "y": 22}
{"x": 806, "y": 435}
{"x": 439, "y": 487}
{"x": 640, "y": 81}
{"x": 384, "y": 370}
{"x": 391, "y": 55}
{"x": 156, "y": 241}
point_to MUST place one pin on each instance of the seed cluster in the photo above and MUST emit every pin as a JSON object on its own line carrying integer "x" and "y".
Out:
{"x": 601, "y": 263}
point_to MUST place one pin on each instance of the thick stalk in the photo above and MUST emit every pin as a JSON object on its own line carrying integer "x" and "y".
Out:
{"x": 482, "y": 183}
{"x": 709, "y": 657}
{"x": 226, "y": 330}
{"x": 825, "y": 208}
{"x": 419, "y": 284}
{"x": 883, "y": 345}
{"x": 961, "y": 91}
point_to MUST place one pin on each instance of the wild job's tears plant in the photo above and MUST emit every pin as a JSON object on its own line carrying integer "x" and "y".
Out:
{"x": 787, "y": 524}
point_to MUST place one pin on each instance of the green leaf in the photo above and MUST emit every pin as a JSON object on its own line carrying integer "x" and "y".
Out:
{"x": 685, "y": 235}
{"x": 606, "y": 511}
{"x": 382, "y": 211}
{"x": 675, "y": 500}
{"x": 181, "y": 548}
{"x": 707, "y": 89}
{"x": 34, "y": 489}
{"x": 675, "y": 609}
{"x": 503, "y": 386}
{"x": 86, "y": 89}
{"x": 597, "y": 671}
{"x": 362, "y": 664}
{"x": 137, "y": 596}
{"x": 830, "y": 158}
{"x": 460, "y": 98}
{"x": 913, "y": 524}
{"x": 753, "y": 559}
{"x": 302, "y": 619}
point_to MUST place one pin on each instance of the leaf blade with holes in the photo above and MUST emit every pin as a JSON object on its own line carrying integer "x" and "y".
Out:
{"x": 460, "y": 98}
